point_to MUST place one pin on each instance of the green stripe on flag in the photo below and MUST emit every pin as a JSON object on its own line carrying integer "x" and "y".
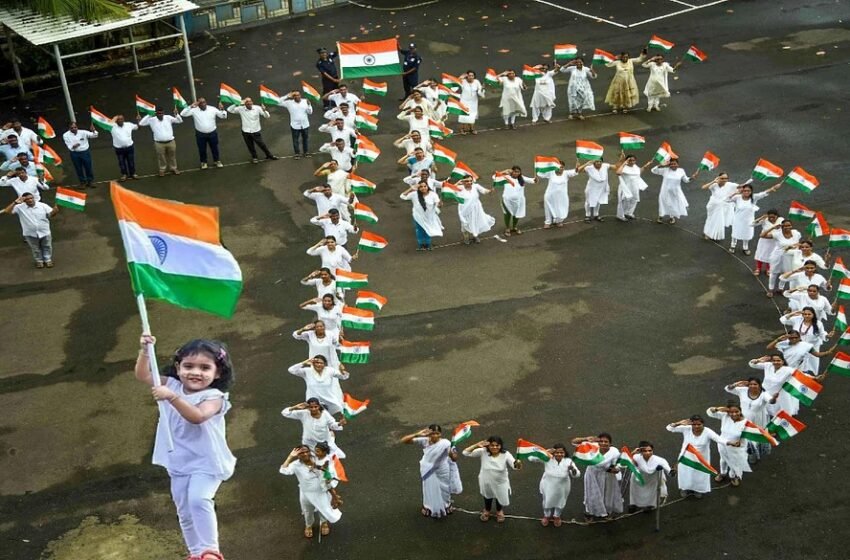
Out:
{"x": 369, "y": 71}
{"x": 214, "y": 296}
{"x": 69, "y": 204}
{"x": 696, "y": 465}
{"x": 354, "y": 358}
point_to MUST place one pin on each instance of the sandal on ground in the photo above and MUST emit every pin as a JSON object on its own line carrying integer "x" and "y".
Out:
{"x": 769, "y": 294}
{"x": 546, "y": 226}
{"x": 507, "y": 233}
{"x": 659, "y": 220}
{"x": 39, "y": 265}
{"x": 719, "y": 478}
{"x": 587, "y": 220}
{"x": 500, "y": 517}
{"x": 599, "y": 219}
{"x": 559, "y": 224}
{"x": 736, "y": 482}
{"x": 556, "y": 521}
{"x": 747, "y": 252}
{"x": 756, "y": 272}
{"x": 211, "y": 555}
{"x": 732, "y": 250}
{"x": 324, "y": 529}
{"x": 485, "y": 516}
{"x": 425, "y": 512}
{"x": 517, "y": 231}
{"x": 308, "y": 532}
{"x": 672, "y": 221}
{"x": 544, "y": 521}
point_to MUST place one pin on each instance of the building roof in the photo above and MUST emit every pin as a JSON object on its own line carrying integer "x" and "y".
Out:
{"x": 39, "y": 29}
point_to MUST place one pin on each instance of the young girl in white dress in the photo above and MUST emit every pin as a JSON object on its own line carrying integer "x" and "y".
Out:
{"x": 426, "y": 214}
{"x": 190, "y": 437}
{"x": 597, "y": 190}
{"x": 671, "y": 200}
{"x": 434, "y": 470}
{"x": 776, "y": 373}
{"x": 555, "y": 484}
{"x": 657, "y": 87}
{"x": 493, "y": 481}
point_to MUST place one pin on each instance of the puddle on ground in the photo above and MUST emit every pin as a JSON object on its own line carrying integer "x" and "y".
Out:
{"x": 125, "y": 539}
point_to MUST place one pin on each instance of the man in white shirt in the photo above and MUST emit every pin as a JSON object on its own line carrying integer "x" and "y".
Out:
{"x": 22, "y": 161}
{"x": 26, "y": 136}
{"x": 343, "y": 112}
{"x": 331, "y": 224}
{"x": 326, "y": 199}
{"x": 122, "y": 141}
{"x": 299, "y": 121}
{"x": 78, "y": 144}
{"x": 206, "y": 133}
{"x": 251, "y": 127}
{"x": 35, "y": 225}
{"x": 163, "y": 137}
{"x": 416, "y": 119}
{"x": 23, "y": 183}
{"x": 342, "y": 154}
{"x": 10, "y": 148}
{"x": 337, "y": 129}
{"x": 341, "y": 95}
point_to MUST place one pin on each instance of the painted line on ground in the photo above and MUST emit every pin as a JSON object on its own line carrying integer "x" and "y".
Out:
{"x": 683, "y": 3}
{"x": 597, "y": 18}
{"x": 679, "y": 12}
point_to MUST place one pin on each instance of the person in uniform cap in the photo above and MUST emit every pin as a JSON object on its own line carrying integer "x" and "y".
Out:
{"x": 410, "y": 69}
{"x": 328, "y": 72}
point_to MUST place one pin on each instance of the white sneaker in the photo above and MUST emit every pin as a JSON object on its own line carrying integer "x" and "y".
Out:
{"x": 204, "y": 166}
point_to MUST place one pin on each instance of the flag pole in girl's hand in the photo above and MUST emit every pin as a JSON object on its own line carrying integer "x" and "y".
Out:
{"x": 154, "y": 366}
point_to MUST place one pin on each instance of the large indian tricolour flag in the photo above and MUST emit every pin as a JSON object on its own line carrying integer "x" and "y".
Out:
{"x": 174, "y": 252}
{"x": 373, "y": 58}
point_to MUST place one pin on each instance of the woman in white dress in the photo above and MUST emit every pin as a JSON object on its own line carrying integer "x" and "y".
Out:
{"x": 719, "y": 210}
{"x": 733, "y": 454}
{"x": 809, "y": 296}
{"x": 630, "y": 185}
{"x": 512, "y": 103}
{"x": 426, "y": 217}
{"x": 784, "y": 236}
{"x": 333, "y": 256}
{"x": 579, "y": 92}
{"x": 691, "y": 481}
{"x": 755, "y": 402}
{"x": 329, "y": 311}
{"x": 473, "y": 220}
{"x": 315, "y": 493}
{"x": 555, "y": 484}
{"x": 319, "y": 342}
{"x": 602, "y": 495}
{"x": 672, "y": 203}
{"x": 513, "y": 198}
{"x": 324, "y": 282}
{"x": 317, "y": 425}
{"x": 556, "y": 199}
{"x": 493, "y": 481}
{"x": 765, "y": 246}
{"x": 470, "y": 92}
{"x": 543, "y": 99}
{"x": 744, "y": 212}
{"x": 597, "y": 190}
{"x": 322, "y": 382}
{"x": 806, "y": 322}
{"x": 776, "y": 373}
{"x": 434, "y": 470}
{"x": 656, "y": 85}
{"x": 655, "y": 471}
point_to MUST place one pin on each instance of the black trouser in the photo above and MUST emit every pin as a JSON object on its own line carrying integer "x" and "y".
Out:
{"x": 326, "y": 88}
{"x": 304, "y": 133}
{"x": 252, "y": 138}
{"x": 488, "y": 503}
{"x": 410, "y": 82}
{"x": 204, "y": 139}
{"x": 126, "y": 160}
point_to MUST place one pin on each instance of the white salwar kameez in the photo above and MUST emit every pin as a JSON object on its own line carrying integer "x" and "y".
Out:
{"x": 654, "y": 472}
{"x": 470, "y": 92}
{"x": 754, "y": 409}
{"x": 799, "y": 300}
{"x": 810, "y": 362}
{"x": 332, "y": 318}
{"x": 543, "y": 99}
{"x": 325, "y": 346}
{"x": 314, "y": 493}
{"x": 435, "y": 472}
{"x": 656, "y": 85}
{"x": 513, "y": 196}
{"x": 597, "y": 189}
{"x": 719, "y": 210}
{"x": 743, "y": 214}
{"x": 772, "y": 384}
{"x": 512, "y": 103}
{"x": 765, "y": 246}
{"x": 671, "y": 199}
{"x": 473, "y": 219}
{"x": 602, "y": 496}
{"x": 323, "y": 386}
{"x": 733, "y": 460}
{"x": 692, "y": 480}
{"x": 628, "y": 191}
{"x": 493, "y": 480}
{"x": 556, "y": 199}
{"x": 316, "y": 430}
{"x": 555, "y": 484}
{"x": 579, "y": 92}
{"x": 428, "y": 218}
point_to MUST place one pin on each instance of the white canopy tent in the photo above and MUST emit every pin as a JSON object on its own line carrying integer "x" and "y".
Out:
{"x": 44, "y": 30}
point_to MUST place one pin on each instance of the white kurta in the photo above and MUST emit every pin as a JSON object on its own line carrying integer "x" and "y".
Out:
{"x": 470, "y": 92}
{"x": 323, "y": 386}
{"x": 719, "y": 210}
{"x": 671, "y": 199}
{"x": 556, "y": 199}
{"x": 544, "y": 91}
{"x": 602, "y": 496}
{"x": 692, "y": 479}
{"x": 807, "y": 336}
{"x": 314, "y": 489}
{"x": 753, "y": 409}
{"x": 473, "y": 219}
{"x": 597, "y": 189}
{"x": 321, "y": 288}
{"x": 315, "y": 430}
{"x": 325, "y": 346}
{"x": 765, "y": 246}
{"x": 799, "y": 300}
{"x": 435, "y": 473}
{"x": 656, "y": 84}
{"x": 733, "y": 460}
{"x": 493, "y": 480}
{"x": 630, "y": 183}
{"x": 513, "y": 196}
{"x": 798, "y": 259}
{"x": 332, "y": 260}
{"x": 647, "y": 495}
{"x": 772, "y": 384}
{"x": 332, "y": 318}
{"x": 428, "y": 217}
{"x": 744, "y": 212}
{"x": 555, "y": 484}
{"x": 782, "y": 260}
{"x": 579, "y": 91}
{"x": 512, "y": 102}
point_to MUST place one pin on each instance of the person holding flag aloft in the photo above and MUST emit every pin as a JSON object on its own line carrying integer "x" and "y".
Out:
{"x": 602, "y": 496}
{"x": 543, "y": 99}
{"x": 512, "y": 103}
{"x": 623, "y": 92}
{"x": 315, "y": 491}
{"x": 579, "y": 91}
{"x": 672, "y": 203}
{"x": 556, "y": 483}
{"x": 206, "y": 130}
{"x": 744, "y": 213}
{"x": 78, "y": 144}
{"x": 656, "y": 85}
{"x": 434, "y": 470}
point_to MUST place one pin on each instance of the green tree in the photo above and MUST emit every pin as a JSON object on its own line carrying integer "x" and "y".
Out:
{"x": 88, "y": 10}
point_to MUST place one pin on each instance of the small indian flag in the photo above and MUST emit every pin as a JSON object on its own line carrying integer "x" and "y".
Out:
{"x": 445, "y": 93}
{"x": 526, "y": 449}
{"x": 844, "y": 289}
{"x": 629, "y": 141}
{"x": 351, "y": 407}
{"x": 347, "y": 279}
{"x": 455, "y": 107}
{"x": 438, "y": 130}
{"x": 840, "y": 323}
{"x": 802, "y": 387}
{"x": 565, "y": 52}
{"x": 657, "y": 42}
{"x": 368, "y": 109}
{"x": 359, "y": 185}
{"x": 310, "y": 92}
{"x": 695, "y": 54}
{"x": 843, "y": 340}
{"x": 351, "y": 352}
{"x": 451, "y": 192}
{"x": 764, "y": 170}
{"x": 365, "y": 122}
{"x": 839, "y": 270}
{"x": 370, "y": 301}
{"x": 785, "y": 426}
{"x": 664, "y": 153}
{"x": 227, "y": 94}
{"x": 840, "y": 364}
{"x": 358, "y": 319}
{"x": 334, "y": 469}
{"x": 144, "y": 107}
{"x": 99, "y": 119}
{"x": 531, "y": 73}
{"x": 451, "y": 82}
{"x": 839, "y": 238}
{"x": 364, "y": 214}
{"x": 174, "y": 252}
{"x": 491, "y": 78}
{"x": 587, "y": 453}
{"x": 70, "y": 199}
{"x": 44, "y": 129}
{"x": 588, "y": 150}
{"x": 375, "y": 88}
{"x": 545, "y": 164}
{"x": 444, "y": 155}
{"x": 625, "y": 460}
{"x": 366, "y": 149}
{"x": 500, "y": 179}
{"x": 709, "y": 161}
{"x": 371, "y": 242}
{"x": 463, "y": 431}
{"x": 372, "y": 58}
{"x": 462, "y": 171}
{"x": 818, "y": 227}
{"x": 178, "y": 99}
{"x": 756, "y": 433}
{"x": 602, "y": 57}
{"x": 800, "y": 179}
{"x": 269, "y": 96}
{"x": 800, "y": 212}
{"x": 48, "y": 178}
{"x": 46, "y": 154}
{"x": 694, "y": 459}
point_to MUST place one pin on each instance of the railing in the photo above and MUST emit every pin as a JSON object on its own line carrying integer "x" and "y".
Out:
{"x": 221, "y": 14}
